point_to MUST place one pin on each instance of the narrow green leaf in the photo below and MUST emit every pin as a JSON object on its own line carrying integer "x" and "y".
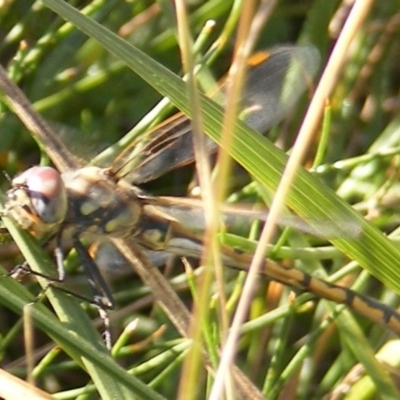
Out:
{"x": 308, "y": 197}
{"x": 76, "y": 334}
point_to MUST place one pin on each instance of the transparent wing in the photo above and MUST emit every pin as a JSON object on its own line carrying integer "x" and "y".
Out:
{"x": 190, "y": 214}
{"x": 275, "y": 81}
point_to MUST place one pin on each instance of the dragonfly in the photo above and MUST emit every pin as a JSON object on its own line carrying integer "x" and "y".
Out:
{"x": 108, "y": 201}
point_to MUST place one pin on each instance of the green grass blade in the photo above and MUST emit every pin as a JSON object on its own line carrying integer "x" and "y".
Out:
{"x": 76, "y": 333}
{"x": 308, "y": 197}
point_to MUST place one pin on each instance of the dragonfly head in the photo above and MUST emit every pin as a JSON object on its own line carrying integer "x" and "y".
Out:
{"x": 37, "y": 200}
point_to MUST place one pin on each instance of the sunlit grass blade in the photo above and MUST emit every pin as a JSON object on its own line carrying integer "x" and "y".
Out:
{"x": 308, "y": 197}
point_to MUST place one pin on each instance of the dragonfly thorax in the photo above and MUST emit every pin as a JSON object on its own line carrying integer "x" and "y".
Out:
{"x": 99, "y": 204}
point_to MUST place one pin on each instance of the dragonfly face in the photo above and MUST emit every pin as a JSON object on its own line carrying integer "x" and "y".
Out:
{"x": 38, "y": 200}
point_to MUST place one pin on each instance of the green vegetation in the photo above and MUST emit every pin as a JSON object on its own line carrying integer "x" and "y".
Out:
{"x": 100, "y": 93}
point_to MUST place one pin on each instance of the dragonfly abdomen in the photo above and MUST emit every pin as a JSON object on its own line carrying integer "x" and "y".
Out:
{"x": 290, "y": 276}
{"x": 191, "y": 245}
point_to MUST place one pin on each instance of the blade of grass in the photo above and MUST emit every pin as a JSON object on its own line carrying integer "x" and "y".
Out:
{"x": 308, "y": 197}
{"x": 76, "y": 335}
{"x": 354, "y": 338}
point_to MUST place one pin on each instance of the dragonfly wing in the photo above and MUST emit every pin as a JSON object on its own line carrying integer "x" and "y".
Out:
{"x": 170, "y": 147}
{"x": 190, "y": 214}
{"x": 274, "y": 83}
{"x": 109, "y": 259}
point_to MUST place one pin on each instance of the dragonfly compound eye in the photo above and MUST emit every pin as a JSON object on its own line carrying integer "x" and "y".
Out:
{"x": 46, "y": 191}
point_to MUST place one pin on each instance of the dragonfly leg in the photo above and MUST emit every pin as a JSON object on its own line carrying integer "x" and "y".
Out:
{"x": 59, "y": 256}
{"x": 102, "y": 298}
{"x": 22, "y": 270}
